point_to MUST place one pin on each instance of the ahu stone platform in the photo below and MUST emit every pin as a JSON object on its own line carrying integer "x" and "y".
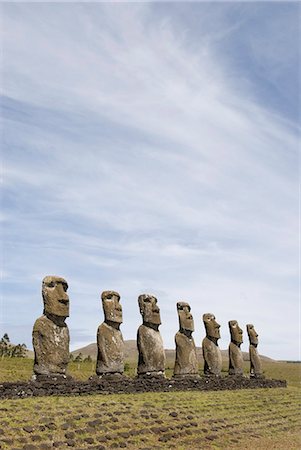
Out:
{"x": 125, "y": 385}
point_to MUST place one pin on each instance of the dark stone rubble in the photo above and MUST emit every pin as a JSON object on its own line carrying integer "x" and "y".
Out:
{"x": 122, "y": 385}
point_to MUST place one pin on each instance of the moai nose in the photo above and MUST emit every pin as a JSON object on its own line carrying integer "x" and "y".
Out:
{"x": 62, "y": 293}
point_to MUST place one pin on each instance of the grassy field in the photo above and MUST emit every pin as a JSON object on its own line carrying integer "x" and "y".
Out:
{"x": 15, "y": 369}
{"x": 247, "y": 419}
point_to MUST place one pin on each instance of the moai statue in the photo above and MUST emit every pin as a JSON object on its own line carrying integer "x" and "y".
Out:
{"x": 211, "y": 352}
{"x": 255, "y": 363}
{"x": 235, "y": 353}
{"x": 110, "y": 345}
{"x": 151, "y": 360}
{"x": 186, "y": 364}
{"x": 50, "y": 336}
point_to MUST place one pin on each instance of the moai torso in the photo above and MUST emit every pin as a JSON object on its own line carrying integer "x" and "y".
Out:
{"x": 186, "y": 358}
{"x": 110, "y": 345}
{"x": 110, "y": 350}
{"x": 151, "y": 351}
{"x": 235, "y": 353}
{"x": 236, "y": 362}
{"x": 50, "y": 336}
{"x": 255, "y": 362}
{"x": 151, "y": 359}
{"x": 186, "y": 363}
{"x": 211, "y": 352}
{"x": 212, "y": 357}
{"x": 51, "y": 347}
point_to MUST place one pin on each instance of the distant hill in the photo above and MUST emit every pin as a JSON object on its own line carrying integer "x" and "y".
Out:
{"x": 91, "y": 350}
{"x": 29, "y": 354}
{"x": 131, "y": 353}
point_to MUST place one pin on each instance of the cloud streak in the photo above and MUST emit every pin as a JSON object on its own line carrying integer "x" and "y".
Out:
{"x": 134, "y": 161}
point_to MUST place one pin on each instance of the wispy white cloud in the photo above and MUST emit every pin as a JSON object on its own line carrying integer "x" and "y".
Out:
{"x": 133, "y": 162}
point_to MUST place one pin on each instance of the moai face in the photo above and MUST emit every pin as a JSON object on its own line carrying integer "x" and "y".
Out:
{"x": 55, "y": 297}
{"x": 253, "y": 336}
{"x": 149, "y": 309}
{"x": 111, "y": 306}
{"x": 235, "y": 331}
{"x": 211, "y": 326}
{"x": 185, "y": 316}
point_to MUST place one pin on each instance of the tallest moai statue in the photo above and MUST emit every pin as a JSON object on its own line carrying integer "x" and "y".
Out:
{"x": 50, "y": 336}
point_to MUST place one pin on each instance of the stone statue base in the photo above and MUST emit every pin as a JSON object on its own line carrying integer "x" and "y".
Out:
{"x": 259, "y": 376}
{"x": 129, "y": 385}
{"x": 211, "y": 375}
{"x": 237, "y": 377}
{"x": 114, "y": 376}
{"x": 150, "y": 375}
{"x": 186, "y": 376}
{"x": 54, "y": 377}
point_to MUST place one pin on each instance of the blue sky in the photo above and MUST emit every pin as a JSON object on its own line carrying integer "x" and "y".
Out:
{"x": 153, "y": 147}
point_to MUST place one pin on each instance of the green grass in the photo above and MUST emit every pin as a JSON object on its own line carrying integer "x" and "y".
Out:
{"x": 15, "y": 369}
{"x": 263, "y": 418}
{"x": 244, "y": 419}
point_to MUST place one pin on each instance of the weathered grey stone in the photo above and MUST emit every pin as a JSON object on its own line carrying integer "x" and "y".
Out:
{"x": 255, "y": 362}
{"x": 186, "y": 363}
{"x": 151, "y": 360}
{"x": 110, "y": 345}
{"x": 211, "y": 352}
{"x": 50, "y": 336}
{"x": 235, "y": 353}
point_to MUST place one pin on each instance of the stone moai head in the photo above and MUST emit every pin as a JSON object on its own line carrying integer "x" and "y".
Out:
{"x": 211, "y": 326}
{"x": 149, "y": 309}
{"x": 235, "y": 332}
{"x": 185, "y": 317}
{"x": 55, "y": 297}
{"x": 111, "y": 306}
{"x": 253, "y": 336}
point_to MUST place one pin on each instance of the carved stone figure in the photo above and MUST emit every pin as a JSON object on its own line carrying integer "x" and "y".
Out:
{"x": 211, "y": 352}
{"x": 235, "y": 353}
{"x": 151, "y": 361}
{"x": 110, "y": 345}
{"x": 186, "y": 364}
{"x": 50, "y": 336}
{"x": 255, "y": 363}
